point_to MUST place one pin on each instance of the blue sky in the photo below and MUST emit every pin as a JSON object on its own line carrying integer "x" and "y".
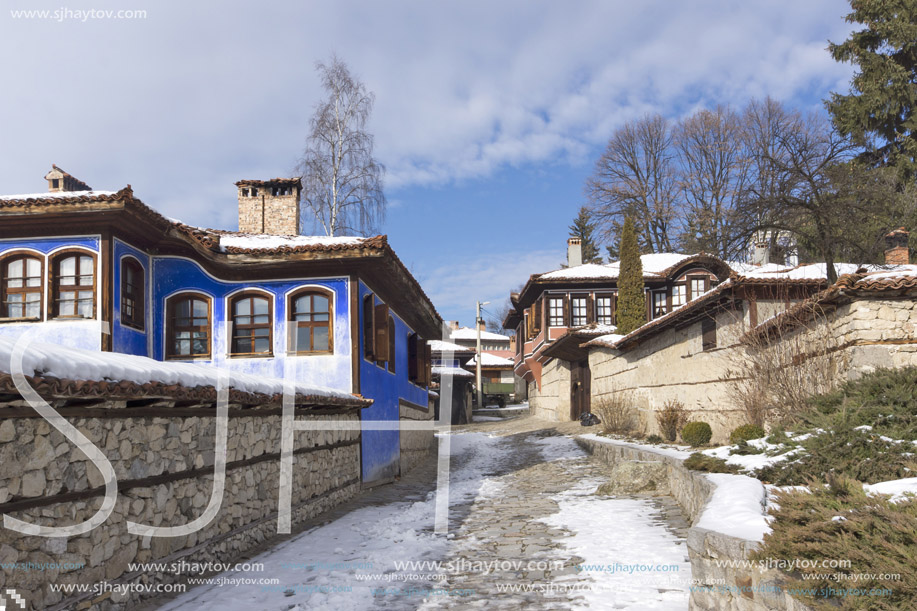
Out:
{"x": 489, "y": 115}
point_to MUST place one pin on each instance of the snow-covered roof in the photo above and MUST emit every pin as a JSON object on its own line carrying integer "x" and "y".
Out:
{"x": 490, "y": 360}
{"x": 61, "y": 362}
{"x": 653, "y": 264}
{"x": 466, "y": 333}
{"x": 56, "y": 195}
{"x": 271, "y": 242}
{"x": 437, "y": 345}
{"x": 456, "y": 372}
{"x": 607, "y": 341}
{"x": 816, "y": 271}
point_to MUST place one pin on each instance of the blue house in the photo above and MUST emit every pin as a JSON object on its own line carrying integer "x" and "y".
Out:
{"x": 101, "y": 270}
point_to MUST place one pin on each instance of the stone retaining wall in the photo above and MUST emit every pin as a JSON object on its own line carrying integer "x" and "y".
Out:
{"x": 164, "y": 467}
{"x": 729, "y": 589}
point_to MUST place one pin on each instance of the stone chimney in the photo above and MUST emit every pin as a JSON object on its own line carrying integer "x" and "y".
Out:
{"x": 896, "y": 249}
{"x": 454, "y": 325}
{"x": 269, "y": 206}
{"x": 761, "y": 254}
{"x": 59, "y": 181}
{"x": 482, "y": 325}
{"x": 574, "y": 252}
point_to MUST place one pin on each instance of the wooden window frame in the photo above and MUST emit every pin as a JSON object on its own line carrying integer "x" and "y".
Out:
{"x": 708, "y": 334}
{"x": 292, "y": 324}
{"x": 12, "y": 257}
{"x": 55, "y": 287}
{"x": 611, "y": 308}
{"x": 233, "y": 330}
{"x": 381, "y": 345}
{"x": 369, "y": 320}
{"x": 413, "y": 360}
{"x": 691, "y": 278}
{"x": 585, "y": 298}
{"x": 672, "y": 305}
{"x": 171, "y": 329}
{"x": 552, "y": 318}
{"x": 392, "y": 342}
{"x": 138, "y": 320}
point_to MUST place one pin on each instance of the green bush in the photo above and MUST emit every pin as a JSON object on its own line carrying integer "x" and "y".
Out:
{"x": 710, "y": 464}
{"x": 696, "y": 434}
{"x": 839, "y": 521}
{"x": 654, "y": 439}
{"x": 746, "y": 432}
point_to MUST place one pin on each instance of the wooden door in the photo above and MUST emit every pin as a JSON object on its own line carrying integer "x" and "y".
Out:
{"x": 580, "y": 389}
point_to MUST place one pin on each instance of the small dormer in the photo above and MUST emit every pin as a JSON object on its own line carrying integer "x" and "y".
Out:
{"x": 59, "y": 180}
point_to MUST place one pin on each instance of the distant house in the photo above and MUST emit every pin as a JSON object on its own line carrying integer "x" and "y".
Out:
{"x": 497, "y": 377}
{"x": 101, "y": 270}
{"x": 449, "y": 360}
{"x": 491, "y": 343}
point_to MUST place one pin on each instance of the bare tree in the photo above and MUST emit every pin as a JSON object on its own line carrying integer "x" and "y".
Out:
{"x": 636, "y": 177}
{"x": 342, "y": 182}
{"x": 714, "y": 164}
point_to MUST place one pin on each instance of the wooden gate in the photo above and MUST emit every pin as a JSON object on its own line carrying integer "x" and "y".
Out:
{"x": 580, "y": 389}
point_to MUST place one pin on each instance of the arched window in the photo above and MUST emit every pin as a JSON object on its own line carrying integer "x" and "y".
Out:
{"x": 188, "y": 326}
{"x": 132, "y": 293}
{"x": 391, "y": 344}
{"x": 311, "y": 315}
{"x": 74, "y": 285}
{"x": 251, "y": 325}
{"x": 20, "y": 287}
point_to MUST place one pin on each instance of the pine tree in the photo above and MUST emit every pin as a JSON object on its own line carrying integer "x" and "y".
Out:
{"x": 583, "y": 228}
{"x": 631, "y": 301}
{"x": 880, "y": 113}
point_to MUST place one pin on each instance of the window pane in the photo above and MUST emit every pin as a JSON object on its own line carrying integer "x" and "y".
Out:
{"x": 320, "y": 303}
{"x": 262, "y": 345}
{"x": 302, "y": 304}
{"x": 68, "y": 266}
{"x": 260, "y": 306}
{"x": 303, "y": 339}
{"x": 199, "y": 343}
{"x": 262, "y": 320}
{"x": 200, "y": 309}
{"x": 85, "y": 304}
{"x": 243, "y": 345}
{"x": 243, "y": 307}
{"x": 321, "y": 338}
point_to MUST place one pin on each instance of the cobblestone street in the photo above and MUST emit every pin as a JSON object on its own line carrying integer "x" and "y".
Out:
{"x": 522, "y": 509}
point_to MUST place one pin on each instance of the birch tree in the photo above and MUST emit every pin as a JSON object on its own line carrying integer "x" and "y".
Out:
{"x": 341, "y": 180}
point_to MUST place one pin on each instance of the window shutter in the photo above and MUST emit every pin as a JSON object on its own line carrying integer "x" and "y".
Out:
{"x": 567, "y": 311}
{"x": 590, "y": 309}
{"x": 427, "y": 364}
{"x": 369, "y": 325}
{"x": 614, "y": 309}
{"x": 537, "y": 310}
{"x": 708, "y": 334}
{"x": 380, "y": 324}
{"x": 413, "y": 368}
{"x": 530, "y": 327}
{"x": 649, "y": 305}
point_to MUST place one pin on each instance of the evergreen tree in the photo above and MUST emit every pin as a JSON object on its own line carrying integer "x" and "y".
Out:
{"x": 583, "y": 227}
{"x": 631, "y": 310}
{"x": 880, "y": 113}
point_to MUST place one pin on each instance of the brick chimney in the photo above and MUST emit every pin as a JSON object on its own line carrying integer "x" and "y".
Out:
{"x": 269, "y": 206}
{"x": 896, "y": 249}
{"x": 59, "y": 181}
{"x": 574, "y": 252}
{"x": 482, "y": 325}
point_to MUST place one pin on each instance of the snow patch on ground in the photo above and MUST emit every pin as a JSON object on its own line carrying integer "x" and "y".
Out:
{"x": 559, "y": 448}
{"x": 624, "y": 543}
{"x": 671, "y": 451}
{"x": 899, "y": 489}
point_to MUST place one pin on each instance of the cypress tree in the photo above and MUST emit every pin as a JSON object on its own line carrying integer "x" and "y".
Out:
{"x": 631, "y": 311}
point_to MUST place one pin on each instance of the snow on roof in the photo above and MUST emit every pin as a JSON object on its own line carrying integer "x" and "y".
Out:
{"x": 816, "y": 271}
{"x": 607, "y": 341}
{"x": 491, "y": 360}
{"x": 653, "y": 264}
{"x": 466, "y": 333}
{"x": 456, "y": 372}
{"x": 270, "y": 242}
{"x": 441, "y": 346}
{"x": 57, "y": 361}
{"x": 56, "y": 195}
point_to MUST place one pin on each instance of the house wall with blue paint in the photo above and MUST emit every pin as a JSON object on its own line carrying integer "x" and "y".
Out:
{"x": 380, "y": 448}
{"x": 127, "y": 339}
{"x": 78, "y": 333}
{"x": 175, "y": 275}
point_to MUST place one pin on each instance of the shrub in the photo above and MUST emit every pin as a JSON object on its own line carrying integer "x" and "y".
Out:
{"x": 671, "y": 419}
{"x": 746, "y": 432}
{"x": 710, "y": 464}
{"x": 839, "y": 521}
{"x": 654, "y": 439}
{"x": 696, "y": 434}
{"x": 615, "y": 412}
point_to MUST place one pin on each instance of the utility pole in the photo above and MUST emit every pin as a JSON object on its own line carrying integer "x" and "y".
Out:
{"x": 477, "y": 323}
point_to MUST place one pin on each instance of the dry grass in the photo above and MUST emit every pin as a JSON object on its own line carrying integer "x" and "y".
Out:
{"x": 616, "y": 413}
{"x": 671, "y": 419}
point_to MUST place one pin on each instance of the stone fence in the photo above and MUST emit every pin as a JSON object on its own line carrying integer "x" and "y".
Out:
{"x": 719, "y": 588}
{"x": 162, "y": 453}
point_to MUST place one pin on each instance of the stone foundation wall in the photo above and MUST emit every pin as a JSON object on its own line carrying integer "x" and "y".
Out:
{"x": 164, "y": 467}
{"x": 552, "y": 401}
{"x": 721, "y": 588}
{"x": 672, "y": 366}
{"x": 416, "y": 446}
